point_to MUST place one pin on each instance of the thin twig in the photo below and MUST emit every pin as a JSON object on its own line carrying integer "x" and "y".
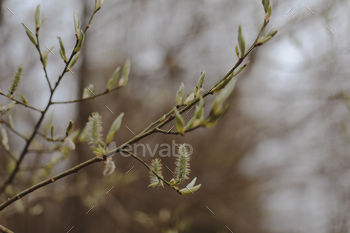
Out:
{"x": 5, "y": 230}
{"x": 41, "y": 58}
{"x": 83, "y": 99}
{"x": 25, "y": 149}
{"x": 12, "y": 129}
{"x": 148, "y": 131}
{"x": 20, "y": 103}
{"x": 50, "y": 180}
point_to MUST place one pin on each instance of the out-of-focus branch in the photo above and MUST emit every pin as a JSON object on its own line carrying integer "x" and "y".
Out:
{"x": 5, "y": 230}
{"x": 20, "y": 103}
{"x": 88, "y": 98}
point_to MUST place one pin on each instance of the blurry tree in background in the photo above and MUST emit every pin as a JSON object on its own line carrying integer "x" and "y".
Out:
{"x": 277, "y": 162}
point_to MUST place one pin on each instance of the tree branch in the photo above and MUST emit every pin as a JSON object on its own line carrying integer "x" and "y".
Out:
{"x": 20, "y": 103}
{"x": 83, "y": 99}
{"x": 25, "y": 149}
{"x": 148, "y": 131}
{"x": 5, "y": 230}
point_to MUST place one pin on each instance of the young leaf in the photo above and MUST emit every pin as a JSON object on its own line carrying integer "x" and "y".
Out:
{"x": 62, "y": 50}
{"x": 4, "y": 139}
{"x": 88, "y": 91}
{"x": 109, "y": 167}
{"x": 80, "y": 42}
{"x": 72, "y": 63}
{"x": 179, "y": 123}
{"x": 126, "y": 70}
{"x": 189, "y": 99}
{"x": 45, "y": 55}
{"x": 6, "y": 108}
{"x": 113, "y": 80}
{"x": 241, "y": 41}
{"x": 179, "y": 95}
{"x": 37, "y": 17}
{"x": 10, "y": 121}
{"x": 76, "y": 24}
{"x": 190, "y": 188}
{"x": 201, "y": 80}
{"x": 114, "y": 128}
{"x": 69, "y": 128}
{"x": 52, "y": 131}
{"x": 24, "y": 99}
{"x": 69, "y": 143}
{"x": 30, "y": 34}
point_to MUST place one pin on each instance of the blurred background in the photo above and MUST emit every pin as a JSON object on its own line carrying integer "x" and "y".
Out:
{"x": 277, "y": 162}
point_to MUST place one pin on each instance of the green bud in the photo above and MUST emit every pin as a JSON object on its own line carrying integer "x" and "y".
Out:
{"x": 179, "y": 123}
{"x": 69, "y": 128}
{"x": 236, "y": 72}
{"x": 30, "y": 34}
{"x": 45, "y": 55}
{"x": 4, "y": 139}
{"x": 113, "y": 80}
{"x": 10, "y": 121}
{"x": 179, "y": 95}
{"x": 126, "y": 70}
{"x": 87, "y": 92}
{"x": 241, "y": 41}
{"x": 80, "y": 42}
{"x": 201, "y": 80}
{"x": 76, "y": 25}
{"x": 237, "y": 52}
{"x": 114, "y": 128}
{"x": 272, "y": 33}
{"x": 190, "y": 188}
{"x": 72, "y": 63}
{"x": 189, "y": 99}
{"x": 52, "y": 131}
{"x": 37, "y": 17}
{"x": 23, "y": 98}
{"x": 223, "y": 95}
{"x": 62, "y": 50}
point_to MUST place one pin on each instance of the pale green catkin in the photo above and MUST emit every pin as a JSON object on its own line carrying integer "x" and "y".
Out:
{"x": 156, "y": 166}
{"x": 95, "y": 129}
{"x": 182, "y": 170}
{"x": 15, "y": 81}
